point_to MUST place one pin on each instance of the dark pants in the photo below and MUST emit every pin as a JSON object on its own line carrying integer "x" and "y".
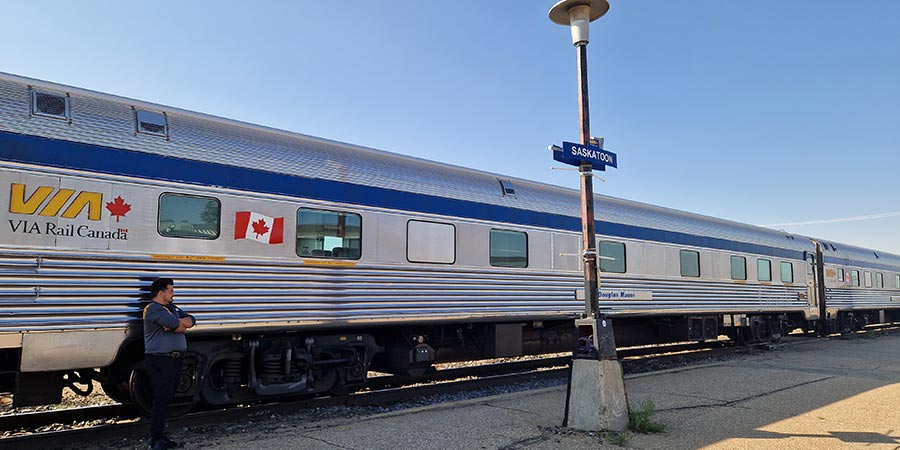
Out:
{"x": 163, "y": 372}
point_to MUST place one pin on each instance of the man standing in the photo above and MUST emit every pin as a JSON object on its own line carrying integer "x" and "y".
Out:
{"x": 164, "y": 347}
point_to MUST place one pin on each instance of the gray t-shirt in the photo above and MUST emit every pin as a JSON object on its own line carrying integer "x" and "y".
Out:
{"x": 160, "y": 323}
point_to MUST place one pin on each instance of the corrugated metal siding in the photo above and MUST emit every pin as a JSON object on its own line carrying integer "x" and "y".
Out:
{"x": 693, "y": 296}
{"x": 861, "y": 298}
{"x": 55, "y": 292}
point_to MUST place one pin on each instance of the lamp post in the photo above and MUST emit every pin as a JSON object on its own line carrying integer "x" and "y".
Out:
{"x": 596, "y": 396}
{"x": 578, "y": 14}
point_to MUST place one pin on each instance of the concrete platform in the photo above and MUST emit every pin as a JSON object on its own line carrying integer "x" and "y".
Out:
{"x": 826, "y": 394}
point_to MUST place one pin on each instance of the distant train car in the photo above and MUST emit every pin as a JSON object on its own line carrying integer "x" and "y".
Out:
{"x": 308, "y": 262}
{"x": 861, "y": 286}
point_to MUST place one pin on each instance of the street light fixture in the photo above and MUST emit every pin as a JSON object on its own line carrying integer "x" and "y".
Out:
{"x": 578, "y": 14}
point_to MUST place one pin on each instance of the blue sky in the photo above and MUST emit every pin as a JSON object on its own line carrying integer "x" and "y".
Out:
{"x": 765, "y": 112}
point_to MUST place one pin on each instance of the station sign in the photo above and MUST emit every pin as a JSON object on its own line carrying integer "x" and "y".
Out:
{"x": 574, "y": 154}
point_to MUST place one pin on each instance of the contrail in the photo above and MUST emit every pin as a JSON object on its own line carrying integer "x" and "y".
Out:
{"x": 838, "y": 220}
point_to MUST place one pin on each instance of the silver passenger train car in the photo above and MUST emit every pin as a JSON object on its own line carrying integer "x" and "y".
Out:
{"x": 309, "y": 262}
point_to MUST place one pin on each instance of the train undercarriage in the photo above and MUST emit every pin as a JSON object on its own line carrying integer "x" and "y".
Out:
{"x": 223, "y": 370}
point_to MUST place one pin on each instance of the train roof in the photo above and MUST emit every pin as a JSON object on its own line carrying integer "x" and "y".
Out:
{"x": 109, "y": 121}
{"x": 847, "y": 254}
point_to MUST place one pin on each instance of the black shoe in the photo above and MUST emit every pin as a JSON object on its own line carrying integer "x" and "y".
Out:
{"x": 168, "y": 443}
{"x": 157, "y": 445}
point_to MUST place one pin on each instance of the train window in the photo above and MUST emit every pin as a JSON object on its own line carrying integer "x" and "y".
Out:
{"x": 738, "y": 268}
{"x": 897, "y": 281}
{"x": 868, "y": 276}
{"x": 840, "y": 275}
{"x": 854, "y": 277}
{"x": 612, "y": 257}
{"x": 188, "y": 216}
{"x": 764, "y": 270}
{"x": 690, "y": 263}
{"x": 45, "y": 104}
{"x": 328, "y": 234}
{"x": 787, "y": 272}
{"x": 430, "y": 242}
{"x": 879, "y": 280}
{"x": 509, "y": 248}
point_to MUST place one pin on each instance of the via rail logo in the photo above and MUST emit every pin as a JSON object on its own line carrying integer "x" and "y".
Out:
{"x": 48, "y": 201}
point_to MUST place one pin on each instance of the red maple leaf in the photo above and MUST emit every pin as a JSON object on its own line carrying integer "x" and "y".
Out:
{"x": 260, "y": 228}
{"x": 118, "y": 207}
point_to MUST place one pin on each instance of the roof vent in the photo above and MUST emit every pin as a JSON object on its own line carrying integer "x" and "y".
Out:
{"x": 153, "y": 123}
{"x": 50, "y": 105}
{"x": 507, "y": 187}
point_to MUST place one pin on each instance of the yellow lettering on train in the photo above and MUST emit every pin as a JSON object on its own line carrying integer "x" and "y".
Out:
{"x": 18, "y": 204}
{"x": 91, "y": 199}
{"x": 57, "y": 202}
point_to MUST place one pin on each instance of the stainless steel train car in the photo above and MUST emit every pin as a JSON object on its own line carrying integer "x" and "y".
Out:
{"x": 861, "y": 286}
{"x": 310, "y": 262}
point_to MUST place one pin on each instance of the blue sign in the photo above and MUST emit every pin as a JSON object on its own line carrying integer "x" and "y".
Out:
{"x": 558, "y": 155}
{"x": 574, "y": 154}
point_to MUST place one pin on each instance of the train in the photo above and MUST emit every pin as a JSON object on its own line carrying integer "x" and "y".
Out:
{"x": 309, "y": 263}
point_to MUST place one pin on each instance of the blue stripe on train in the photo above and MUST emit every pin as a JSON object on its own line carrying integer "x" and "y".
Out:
{"x": 851, "y": 262}
{"x": 72, "y": 155}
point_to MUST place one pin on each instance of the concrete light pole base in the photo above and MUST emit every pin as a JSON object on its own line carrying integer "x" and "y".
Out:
{"x": 598, "y": 401}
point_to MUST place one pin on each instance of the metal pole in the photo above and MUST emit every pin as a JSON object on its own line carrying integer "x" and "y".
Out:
{"x": 595, "y": 398}
{"x": 588, "y": 226}
{"x": 604, "y": 340}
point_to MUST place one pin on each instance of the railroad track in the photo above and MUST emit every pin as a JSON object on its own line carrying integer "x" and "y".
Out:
{"x": 38, "y": 419}
{"x": 384, "y": 390}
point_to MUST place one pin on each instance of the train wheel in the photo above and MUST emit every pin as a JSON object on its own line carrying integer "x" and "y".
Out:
{"x": 356, "y": 371}
{"x": 341, "y": 390}
{"x": 141, "y": 391}
{"x": 776, "y": 329}
{"x": 117, "y": 392}
{"x": 758, "y": 330}
{"x": 846, "y": 323}
{"x": 324, "y": 379}
{"x": 114, "y": 381}
{"x": 740, "y": 335}
{"x": 117, "y": 389}
{"x": 861, "y": 322}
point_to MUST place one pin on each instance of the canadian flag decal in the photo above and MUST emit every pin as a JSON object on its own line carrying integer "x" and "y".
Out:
{"x": 260, "y": 228}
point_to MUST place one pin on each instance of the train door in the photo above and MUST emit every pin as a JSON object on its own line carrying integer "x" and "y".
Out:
{"x": 812, "y": 296}
{"x": 818, "y": 287}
